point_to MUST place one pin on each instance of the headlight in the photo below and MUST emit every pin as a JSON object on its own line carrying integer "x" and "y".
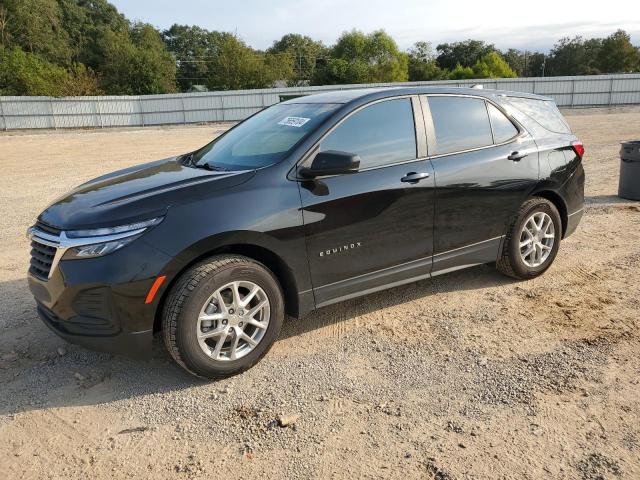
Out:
{"x": 102, "y": 241}
{"x": 103, "y": 232}
{"x": 98, "y": 249}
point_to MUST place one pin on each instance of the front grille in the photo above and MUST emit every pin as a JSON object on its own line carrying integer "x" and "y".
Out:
{"x": 44, "y": 242}
{"x": 48, "y": 228}
{"x": 41, "y": 259}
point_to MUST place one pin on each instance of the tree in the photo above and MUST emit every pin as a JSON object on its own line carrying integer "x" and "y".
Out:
{"x": 86, "y": 22}
{"x": 517, "y": 60}
{"x": 304, "y": 53}
{"x": 574, "y": 56}
{"x": 24, "y": 73}
{"x": 492, "y": 65}
{"x": 362, "y": 58}
{"x": 194, "y": 49}
{"x": 465, "y": 53}
{"x": 137, "y": 62}
{"x": 461, "y": 73}
{"x": 237, "y": 66}
{"x": 617, "y": 54}
{"x": 36, "y": 27}
{"x": 422, "y": 63}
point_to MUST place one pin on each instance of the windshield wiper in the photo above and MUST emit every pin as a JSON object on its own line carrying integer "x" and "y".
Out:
{"x": 187, "y": 159}
{"x": 212, "y": 167}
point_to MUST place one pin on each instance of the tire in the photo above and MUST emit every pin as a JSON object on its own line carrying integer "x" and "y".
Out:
{"x": 511, "y": 261}
{"x": 192, "y": 298}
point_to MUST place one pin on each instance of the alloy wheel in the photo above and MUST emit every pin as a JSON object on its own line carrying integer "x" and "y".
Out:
{"x": 537, "y": 238}
{"x": 233, "y": 321}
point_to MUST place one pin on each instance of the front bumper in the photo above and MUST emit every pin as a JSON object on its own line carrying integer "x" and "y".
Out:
{"x": 81, "y": 331}
{"x": 100, "y": 303}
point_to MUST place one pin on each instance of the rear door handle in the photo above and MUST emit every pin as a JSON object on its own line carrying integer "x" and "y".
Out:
{"x": 517, "y": 156}
{"x": 414, "y": 177}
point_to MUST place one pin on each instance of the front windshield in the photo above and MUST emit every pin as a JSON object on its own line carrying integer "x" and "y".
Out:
{"x": 264, "y": 139}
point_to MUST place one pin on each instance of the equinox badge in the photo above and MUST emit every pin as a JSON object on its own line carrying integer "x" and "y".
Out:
{"x": 341, "y": 248}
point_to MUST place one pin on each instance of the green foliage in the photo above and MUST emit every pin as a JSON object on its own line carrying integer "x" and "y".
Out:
{"x": 461, "y": 73}
{"x": 304, "y": 52}
{"x": 574, "y": 56}
{"x": 24, "y": 73}
{"x": 617, "y": 54}
{"x": 237, "y": 66}
{"x": 524, "y": 63}
{"x": 87, "y": 22}
{"x": 362, "y": 58}
{"x": 194, "y": 49}
{"x": 465, "y": 53}
{"x": 423, "y": 65}
{"x": 36, "y": 26}
{"x": 82, "y": 47}
{"x": 492, "y": 65}
{"x": 137, "y": 62}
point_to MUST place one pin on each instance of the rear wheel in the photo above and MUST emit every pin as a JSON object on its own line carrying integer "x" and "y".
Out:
{"x": 222, "y": 316}
{"x": 532, "y": 240}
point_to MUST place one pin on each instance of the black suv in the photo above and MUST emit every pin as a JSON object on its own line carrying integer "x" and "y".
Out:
{"x": 307, "y": 203}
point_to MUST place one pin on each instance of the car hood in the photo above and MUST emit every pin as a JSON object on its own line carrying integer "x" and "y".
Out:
{"x": 136, "y": 193}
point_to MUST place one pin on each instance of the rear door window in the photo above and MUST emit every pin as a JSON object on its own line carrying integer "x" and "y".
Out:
{"x": 501, "y": 126}
{"x": 381, "y": 134}
{"x": 460, "y": 123}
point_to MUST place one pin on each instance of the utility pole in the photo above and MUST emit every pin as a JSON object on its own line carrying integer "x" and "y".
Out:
{"x": 299, "y": 66}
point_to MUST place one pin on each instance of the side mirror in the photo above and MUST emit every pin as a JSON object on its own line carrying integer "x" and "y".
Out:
{"x": 331, "y": 162}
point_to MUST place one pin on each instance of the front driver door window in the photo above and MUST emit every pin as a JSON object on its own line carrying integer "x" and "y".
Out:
{"x": 362, "y": 229}
{"x": 381, "y": 134}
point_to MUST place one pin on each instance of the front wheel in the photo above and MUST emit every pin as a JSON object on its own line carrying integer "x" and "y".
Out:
{"x": 532, "y": 240}
{"x": 222, "y": 316}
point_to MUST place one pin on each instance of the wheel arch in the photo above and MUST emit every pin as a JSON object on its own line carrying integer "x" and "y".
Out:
{"x": 559, "y": 203}
{"x": 253, "y": 250}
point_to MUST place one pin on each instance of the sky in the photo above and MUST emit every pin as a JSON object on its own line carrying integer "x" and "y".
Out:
{"x": 532, "y": 24}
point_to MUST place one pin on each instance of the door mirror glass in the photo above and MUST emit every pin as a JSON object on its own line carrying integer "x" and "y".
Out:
{"x": 331, "y": 162}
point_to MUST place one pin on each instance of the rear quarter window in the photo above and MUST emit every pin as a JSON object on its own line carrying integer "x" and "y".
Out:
{"x": 503, "y": 129}
{"x": 543, "y": 112}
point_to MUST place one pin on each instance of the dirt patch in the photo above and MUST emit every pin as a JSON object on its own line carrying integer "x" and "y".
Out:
{"x": 468, "y": 375}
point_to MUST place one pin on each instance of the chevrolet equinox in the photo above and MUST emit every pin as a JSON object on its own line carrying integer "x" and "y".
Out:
{"x": 309, "y": 202}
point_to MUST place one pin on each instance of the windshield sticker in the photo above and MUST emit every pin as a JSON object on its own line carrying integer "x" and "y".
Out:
{"x": 293, "y": 121}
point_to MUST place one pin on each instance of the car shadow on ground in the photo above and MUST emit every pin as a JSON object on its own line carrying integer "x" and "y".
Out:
{"x": 605, "y": 199}
{"x": 38, "y": 370}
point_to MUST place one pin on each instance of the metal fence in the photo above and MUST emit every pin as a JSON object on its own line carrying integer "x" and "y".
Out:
{"x": 123, "y": 111}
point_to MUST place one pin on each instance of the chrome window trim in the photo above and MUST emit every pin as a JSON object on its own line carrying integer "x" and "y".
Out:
{"x": 519, "y": 127}
{"x": 487, "y": 103}
{"x": 316, "y": 146}
{"x": 429, "y": 130}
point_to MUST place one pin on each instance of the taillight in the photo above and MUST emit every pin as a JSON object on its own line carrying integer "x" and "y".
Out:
{"x": 578, "y": 147}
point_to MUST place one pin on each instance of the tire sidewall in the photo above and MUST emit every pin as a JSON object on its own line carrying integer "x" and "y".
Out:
{"x": 186, "y": 339}
{"x": 518, "y": 265}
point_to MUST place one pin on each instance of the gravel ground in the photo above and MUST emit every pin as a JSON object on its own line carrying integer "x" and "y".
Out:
{"x": 469, "y": 375}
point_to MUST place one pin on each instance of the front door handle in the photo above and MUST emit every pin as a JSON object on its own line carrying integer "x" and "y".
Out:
{"x": 414, "y": 177}
{"x": 517, "y": 156}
